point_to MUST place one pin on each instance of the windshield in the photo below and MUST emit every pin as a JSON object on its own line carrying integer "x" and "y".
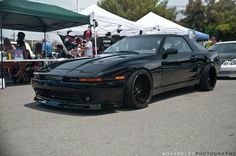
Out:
{"x": 139, "y": 44}
{"x": 200, "y": 46}
{"x": 224, "y": 48}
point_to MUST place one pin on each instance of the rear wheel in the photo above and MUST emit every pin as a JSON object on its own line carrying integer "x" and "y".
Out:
{"x": 138, "y": 92}
{"x": 208, "y": 78}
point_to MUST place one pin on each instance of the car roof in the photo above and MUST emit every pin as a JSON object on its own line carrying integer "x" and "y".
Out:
{"x": 161, "y": 35}
{"x": 143, "y": 35}
{"x": 226, "y": 42}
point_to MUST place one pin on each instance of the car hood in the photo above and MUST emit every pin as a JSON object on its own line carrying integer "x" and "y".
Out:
{"x": 88, "y": 66}
{"x": 227, "y": 56}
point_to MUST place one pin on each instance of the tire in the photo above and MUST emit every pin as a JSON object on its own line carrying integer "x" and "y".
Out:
{"x": 138, "y": 91}
{"x": 208, "y": 78}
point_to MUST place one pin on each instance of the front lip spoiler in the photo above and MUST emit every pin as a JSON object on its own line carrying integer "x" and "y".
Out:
{"x": 69, "y": 105}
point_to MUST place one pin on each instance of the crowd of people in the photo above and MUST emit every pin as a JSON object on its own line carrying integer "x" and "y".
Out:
{"x": 18, "y": 70}
{"x": 78, "y": 46}
{"x": 21, "y": 71}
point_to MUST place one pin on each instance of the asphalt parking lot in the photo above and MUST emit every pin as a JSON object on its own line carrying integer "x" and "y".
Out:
{"x": 183, "y": 120}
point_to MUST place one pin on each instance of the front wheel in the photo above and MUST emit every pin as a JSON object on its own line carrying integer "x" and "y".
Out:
{"x": 208, "y": 78}
{"x": 138, "y": 91}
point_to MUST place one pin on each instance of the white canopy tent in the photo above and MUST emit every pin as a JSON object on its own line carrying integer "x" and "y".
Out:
{"x": 108, "y": 22}
{"x": 153, "y": 23}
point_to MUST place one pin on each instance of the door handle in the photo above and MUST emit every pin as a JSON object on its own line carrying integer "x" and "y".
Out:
{"x": 193, "y": 58}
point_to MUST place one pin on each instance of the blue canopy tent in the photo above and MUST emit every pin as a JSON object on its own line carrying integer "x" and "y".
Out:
{"x": 201, "y": 36}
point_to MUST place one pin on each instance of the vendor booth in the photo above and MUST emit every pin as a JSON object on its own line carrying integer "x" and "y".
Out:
{"x": 32, "y": 16}
{"x": 109, "y": 22}
{"x": 153, "y": 23}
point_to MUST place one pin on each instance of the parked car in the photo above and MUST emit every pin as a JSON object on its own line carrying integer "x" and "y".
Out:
{"x": 227, "y": 53}
{"x": 128, "y": 73}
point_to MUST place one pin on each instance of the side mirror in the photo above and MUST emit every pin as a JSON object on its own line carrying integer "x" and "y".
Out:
{"x": 169, "y": 52}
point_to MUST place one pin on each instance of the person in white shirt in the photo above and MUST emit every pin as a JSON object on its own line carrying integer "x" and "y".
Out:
{"x": 88, "y": 48}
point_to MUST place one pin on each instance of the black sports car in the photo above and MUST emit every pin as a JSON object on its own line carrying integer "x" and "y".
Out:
{"x": 128, "y": 73}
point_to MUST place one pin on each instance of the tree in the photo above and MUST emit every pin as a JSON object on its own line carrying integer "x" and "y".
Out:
{"x": 221, "y": 19}
{"x": 195, "y": 17}
{"x": 135, "y": 9}
{"x": 215, "y": 18}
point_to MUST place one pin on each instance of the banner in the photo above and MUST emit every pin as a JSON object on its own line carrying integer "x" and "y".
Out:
{"x": 18, "y": 54}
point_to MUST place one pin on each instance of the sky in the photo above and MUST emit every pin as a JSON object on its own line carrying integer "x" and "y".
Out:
{"x": 72, "y": 5}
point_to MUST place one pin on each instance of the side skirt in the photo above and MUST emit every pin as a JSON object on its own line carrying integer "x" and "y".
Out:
{"x": 174, "y": 86}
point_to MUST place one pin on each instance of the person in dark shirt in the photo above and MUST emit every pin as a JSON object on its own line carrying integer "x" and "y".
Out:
{"x": 20, "y": 39}
{"x": 61, "y": 52}
{"x": 107, "y": 41}
{"x": 38, "y": 50}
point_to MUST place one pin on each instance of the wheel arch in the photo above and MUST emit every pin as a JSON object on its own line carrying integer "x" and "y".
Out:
{"x": 141, "y": 68}
{"x": 129, "y": 80}
{"x": 206, "y": 64}
{"x": 213, "y": 69}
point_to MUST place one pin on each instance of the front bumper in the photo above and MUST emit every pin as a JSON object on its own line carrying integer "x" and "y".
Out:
{"x": 79, "y": 95}
{"x": 227, "y": 71}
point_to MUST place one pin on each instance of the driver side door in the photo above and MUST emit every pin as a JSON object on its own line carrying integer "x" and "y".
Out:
{"x": 180, "y": 67}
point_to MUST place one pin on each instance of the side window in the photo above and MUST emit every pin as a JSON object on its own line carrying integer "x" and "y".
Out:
{"x": 177, "y": 43}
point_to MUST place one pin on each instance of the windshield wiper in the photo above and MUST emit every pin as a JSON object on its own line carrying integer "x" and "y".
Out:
{"x": 126, "y": 51}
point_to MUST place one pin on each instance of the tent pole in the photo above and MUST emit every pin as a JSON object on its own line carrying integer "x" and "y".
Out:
{"x": 1, "y": 48}
{"x": 95, "y": 37}
{"x": 95, "y": 42}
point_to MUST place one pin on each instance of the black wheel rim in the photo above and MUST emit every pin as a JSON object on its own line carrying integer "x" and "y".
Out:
{"x": 211, "y": 78}
{"x": 141, "y": 89}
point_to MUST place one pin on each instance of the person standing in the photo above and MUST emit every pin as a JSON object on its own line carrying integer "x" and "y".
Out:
{"x": 106, "y": 42}
{"x": 8, "y": 48}
{"x": 88, "y": 32}
{"x": 211, "y": 42}
{"x": 47, "y": 49}
{"x": 87, "y": 50}
{"x": 60, "y": 52}
{"x": 88, "y": 47}
{"x": 38, "y": 50}
{"x": 20, "y": 46}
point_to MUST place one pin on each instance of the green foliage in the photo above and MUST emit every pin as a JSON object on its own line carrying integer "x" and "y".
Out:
{"x": 224, "y": 28}
{"x": 216, "y": 18}
{"x": 135, "y": 9}
{"x": 195, "y": 15}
